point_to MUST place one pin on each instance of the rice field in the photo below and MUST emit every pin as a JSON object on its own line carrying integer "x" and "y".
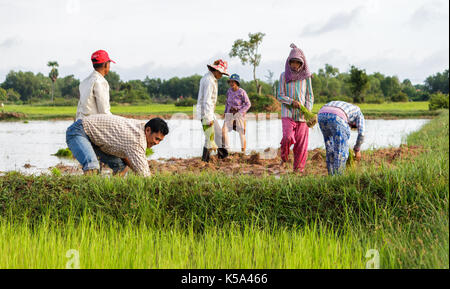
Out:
{"x": 387, "y": 217}
{"x": 385, "y": 110}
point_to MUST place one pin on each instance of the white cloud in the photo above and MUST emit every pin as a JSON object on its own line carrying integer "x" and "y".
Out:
{"x": 337, "y": 21}
{"x": 9, "y": 42}
{"x": 177, "y": 38}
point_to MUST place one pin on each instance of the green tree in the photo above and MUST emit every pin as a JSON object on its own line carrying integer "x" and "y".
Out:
{"x": 408, "y": 88}
{"x": 334, "y": 87}
{"x": 358, "y": 83}
{"x": 53, "y": 75}
{"x": 67, "y": 87}
{"x": 27, "y": 84}
{"x": 153, "y": 86}
{"x": 390, "y": 86}
{"x": 247, "y": 52}
{"x": 330, "y": 72}
{"x": 12, "y": 95}
{"x": 438, "y": 83}
{"x": 114, "y": 81}
{"x": 3, "y": 95}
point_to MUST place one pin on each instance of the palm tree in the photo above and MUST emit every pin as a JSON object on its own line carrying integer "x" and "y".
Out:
{"x": 53, "y": 74}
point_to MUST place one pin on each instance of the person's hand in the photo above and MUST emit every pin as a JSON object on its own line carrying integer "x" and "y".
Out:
{"x": 358, "y": 155}
{"x": 233, "y": 110}
{"x": 296, "y": 104}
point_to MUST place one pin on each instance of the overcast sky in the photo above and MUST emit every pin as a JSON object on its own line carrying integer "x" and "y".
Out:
{"x": 167, "y": 38}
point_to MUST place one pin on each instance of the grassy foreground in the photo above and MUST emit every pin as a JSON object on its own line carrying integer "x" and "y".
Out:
{"x": 213, "y": 221}
{"x": 386, "y": 110}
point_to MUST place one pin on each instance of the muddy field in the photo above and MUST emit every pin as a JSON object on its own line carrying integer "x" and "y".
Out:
{"x": 255, "y": 164}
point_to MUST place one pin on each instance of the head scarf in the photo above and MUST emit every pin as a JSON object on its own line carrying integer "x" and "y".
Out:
{"x": 303, "y": 72}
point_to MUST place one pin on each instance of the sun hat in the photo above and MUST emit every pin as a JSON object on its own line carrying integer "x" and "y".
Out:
{"x": 235, "y": 77}
{"x": 220, "y": 65}
{"x": 100, "y": 56}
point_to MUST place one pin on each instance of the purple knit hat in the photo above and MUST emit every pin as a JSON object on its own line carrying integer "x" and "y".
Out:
{"x": 303, "y": 73}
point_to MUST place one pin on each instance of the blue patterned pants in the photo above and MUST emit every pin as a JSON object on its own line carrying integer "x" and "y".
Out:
{"x": 336, "y": 133}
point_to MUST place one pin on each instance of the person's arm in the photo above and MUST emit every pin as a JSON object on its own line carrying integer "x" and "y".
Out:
{"x": 138, "y": 162}
{"x": 360, "y": 123}
{"x": 226, "y": 104}
{"x": 281, "y": 95}
{"x": 309, "y": 97}
{"x": 101, "y": 93}
{"x": 208, "y": 105}
{"x": 246, "y": 103}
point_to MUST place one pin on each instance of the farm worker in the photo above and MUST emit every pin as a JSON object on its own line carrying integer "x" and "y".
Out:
{"x": 295, "y": 89}
{"x": 236, "y": 107}
{"x": 94, "y": 90}
{"x": 206, "y": 105}
{"x": 335, "y": 120}
{"x": 117, "y": 141}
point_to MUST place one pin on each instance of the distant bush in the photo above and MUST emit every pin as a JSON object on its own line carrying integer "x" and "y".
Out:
{"x": 222, "y": 99}
{"x": 372, "y": 98}
{"x": 58, "y": 101}
{"x": 341, "y": 98}
{"x": 400, "y": 97}
{"x": 3, "y": 95}
{"x": 438, "y": 101}
{"x": 320, "y": 98}
{"x": 264, "y": 103}
{"x": 187, "y": 101}
{"x": 13, "y": 96}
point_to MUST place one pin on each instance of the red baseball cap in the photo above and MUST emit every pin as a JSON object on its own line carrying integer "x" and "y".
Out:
{"x": 100, "y": 56}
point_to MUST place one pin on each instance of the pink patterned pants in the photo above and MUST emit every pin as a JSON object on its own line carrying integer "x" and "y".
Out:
{"x": 295, "y": 133}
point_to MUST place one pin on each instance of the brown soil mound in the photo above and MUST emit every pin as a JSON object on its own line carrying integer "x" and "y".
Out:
{"x": 259, "y": 165}
{"x": 254, "y": 164}
{"x": 12, "y": 115}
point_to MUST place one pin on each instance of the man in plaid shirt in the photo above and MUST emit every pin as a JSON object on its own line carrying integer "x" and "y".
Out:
{"x": 117, "y": 141}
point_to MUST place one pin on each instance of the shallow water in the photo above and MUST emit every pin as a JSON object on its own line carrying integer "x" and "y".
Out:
{"x": 34, "y": 142}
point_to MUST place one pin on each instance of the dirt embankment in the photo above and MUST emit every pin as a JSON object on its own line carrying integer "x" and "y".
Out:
{"x": 12, "y": 115}
{"x": 269, "y": 162}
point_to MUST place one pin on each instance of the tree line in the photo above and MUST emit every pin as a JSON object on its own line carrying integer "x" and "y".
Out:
{"x": 328, "y": 84}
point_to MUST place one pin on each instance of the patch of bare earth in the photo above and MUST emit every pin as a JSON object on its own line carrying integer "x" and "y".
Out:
{"x": 267, "y": 163}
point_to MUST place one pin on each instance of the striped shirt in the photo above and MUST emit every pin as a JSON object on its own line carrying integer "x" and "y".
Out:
{"x": 354, "y": 118}
{"x": 301, "y": 91}
{"x": 120, "y": 137}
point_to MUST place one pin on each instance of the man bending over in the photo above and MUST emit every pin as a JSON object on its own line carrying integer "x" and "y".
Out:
{"x": 117, "y": 141}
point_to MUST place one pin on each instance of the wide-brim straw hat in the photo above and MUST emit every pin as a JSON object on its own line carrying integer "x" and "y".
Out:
{"x": 221, "y": 66}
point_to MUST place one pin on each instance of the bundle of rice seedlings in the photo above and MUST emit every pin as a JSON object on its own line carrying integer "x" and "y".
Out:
{"x": 351, "y": 158}
{"x": 311, "y": 118}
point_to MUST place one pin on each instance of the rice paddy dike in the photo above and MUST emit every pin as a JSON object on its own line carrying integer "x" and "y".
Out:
{"x": 399, "y": 208}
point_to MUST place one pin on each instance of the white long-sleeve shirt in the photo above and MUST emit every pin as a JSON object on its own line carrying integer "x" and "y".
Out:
{"x": 207, "y": 98}
{"x": 94, "y": 96}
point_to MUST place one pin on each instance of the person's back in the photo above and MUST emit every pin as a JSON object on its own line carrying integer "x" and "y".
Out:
{"x": 94, "y": 96}
{"x": 94, "y": 90}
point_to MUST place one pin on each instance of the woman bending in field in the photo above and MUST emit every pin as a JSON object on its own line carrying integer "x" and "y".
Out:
{"x": 335, "y": 120}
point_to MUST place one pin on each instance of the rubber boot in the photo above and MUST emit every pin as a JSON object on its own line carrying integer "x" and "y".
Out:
{"x": 206, "y": 155}
{"x": 222, "y": 153}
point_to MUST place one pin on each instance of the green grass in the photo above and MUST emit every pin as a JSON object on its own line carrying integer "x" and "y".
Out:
{"x": 107, "y": 245}
{"x": 386, "y": 110}
{"x": 212, "y": 221}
